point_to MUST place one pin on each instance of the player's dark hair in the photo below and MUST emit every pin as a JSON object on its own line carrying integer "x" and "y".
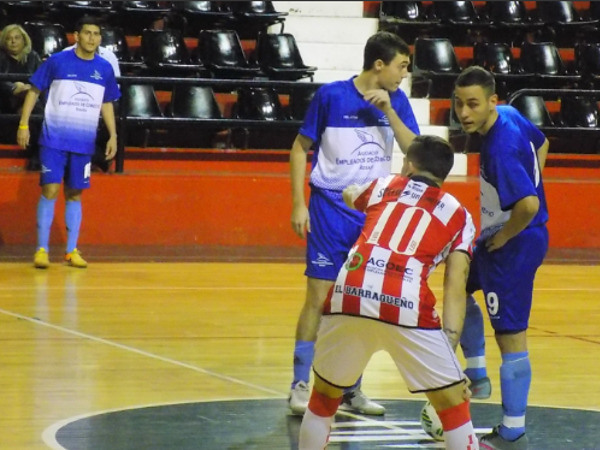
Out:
{"x": 431, "y": 154}
{"x": 385, "y": 46}
{"x": 87, "y": 20}
{"x": 477, "y": 76}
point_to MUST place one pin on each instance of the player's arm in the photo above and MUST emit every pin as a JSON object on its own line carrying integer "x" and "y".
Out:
{"x": 108, "y": 115}
{"x": 521, "y": 215}
{"x": 380, "y": 98}
{"x": 31, "y": 98}
{"x": 300, "y": 219}
{"x": 542, "y": 154}
{"x": 455, "y": 286}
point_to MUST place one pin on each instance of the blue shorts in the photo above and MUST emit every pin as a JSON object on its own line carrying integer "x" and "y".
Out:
{"x": 506, "y": 278}
{"x": 334, "y": 229}
{"x": 74, "y": 168}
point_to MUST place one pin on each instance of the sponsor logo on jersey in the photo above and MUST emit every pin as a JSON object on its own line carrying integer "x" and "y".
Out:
{"x": 400, "y": 302}
{"x": 96, "y": 75}
{"x": 321, "y": 261}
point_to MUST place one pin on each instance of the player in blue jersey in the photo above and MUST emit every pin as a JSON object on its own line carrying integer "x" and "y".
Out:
{"x": 80, "y": 85}
{"x": 352, "y": 126}
{"x": 513, "y": 241}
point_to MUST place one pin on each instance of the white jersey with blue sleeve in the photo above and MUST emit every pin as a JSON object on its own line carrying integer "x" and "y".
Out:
{"x": 509, "y": 170}
{"x": 77, "y": 88}
{"x": 353, "y": 140}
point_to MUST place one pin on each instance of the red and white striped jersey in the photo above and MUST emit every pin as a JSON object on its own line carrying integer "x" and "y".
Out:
{"x": 411, "y": 226}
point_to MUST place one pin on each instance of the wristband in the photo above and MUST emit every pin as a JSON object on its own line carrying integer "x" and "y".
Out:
{"x": 23, "y": 127}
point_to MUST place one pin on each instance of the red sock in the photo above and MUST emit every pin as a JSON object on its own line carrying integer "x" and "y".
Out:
{"x": 458, "y": 428}
{"x": 455, "y": 417}
{"x": 323, "y": 406}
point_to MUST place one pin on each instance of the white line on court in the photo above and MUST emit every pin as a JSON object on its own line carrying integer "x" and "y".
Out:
{"x": 235, "y": 288}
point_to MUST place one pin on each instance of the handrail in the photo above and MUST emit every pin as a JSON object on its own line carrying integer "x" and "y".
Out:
{"x": 124, "y": 122}
{"x": 550, "y": 92}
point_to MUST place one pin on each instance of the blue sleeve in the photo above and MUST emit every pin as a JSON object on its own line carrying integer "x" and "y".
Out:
{"x": 43, "y": 76}
{"x": 314, "y": 119}
{"x": 111, "y": 91}
{"x": 510, "y": 177}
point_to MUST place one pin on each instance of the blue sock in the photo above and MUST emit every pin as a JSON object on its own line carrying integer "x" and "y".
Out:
{"x": 472, "y": 341}
{"x": 515, "y": 379}
{"x": 45, "y": 216}
{"x": 73, "y": 222}
{"x": 304, "y": 352}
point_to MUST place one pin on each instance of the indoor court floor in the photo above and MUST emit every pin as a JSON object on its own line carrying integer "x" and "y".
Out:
{"x": 164, "y": 351}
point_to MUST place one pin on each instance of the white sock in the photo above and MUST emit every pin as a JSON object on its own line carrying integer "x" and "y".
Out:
{"x": 314, "y": 431}
{"x": 462, "y": 438}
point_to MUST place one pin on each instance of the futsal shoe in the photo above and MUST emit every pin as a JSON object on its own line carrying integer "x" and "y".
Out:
{"x": 40, "y": 259}
{"x": 356, "y": 401}
{"x": 74, "y": 259}
{"x": 298, "y": 399}
{"x": 481, "y": 389}
{"x": 493, "y": 441}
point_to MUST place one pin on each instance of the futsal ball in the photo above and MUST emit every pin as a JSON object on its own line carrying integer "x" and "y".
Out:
{"x": 431, "y": 423}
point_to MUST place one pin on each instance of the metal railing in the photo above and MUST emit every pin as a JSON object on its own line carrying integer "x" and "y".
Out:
{"x": 127, "y": 122}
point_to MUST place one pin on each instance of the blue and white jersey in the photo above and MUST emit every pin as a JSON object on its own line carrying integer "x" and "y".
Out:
{"x": 509, "y": 170}
{"x": 77, "y": 88}
{"x": 353, "y": 139}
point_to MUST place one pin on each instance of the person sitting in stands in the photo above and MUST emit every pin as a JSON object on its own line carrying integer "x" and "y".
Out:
{"x": 17, "y": 56}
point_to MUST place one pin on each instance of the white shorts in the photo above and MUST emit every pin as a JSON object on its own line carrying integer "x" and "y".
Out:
{"x": 345, "y": 345}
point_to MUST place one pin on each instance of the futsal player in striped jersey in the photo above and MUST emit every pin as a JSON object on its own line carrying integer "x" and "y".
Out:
{"x": 513, "y": 241}
{"x": 381, "y": 299}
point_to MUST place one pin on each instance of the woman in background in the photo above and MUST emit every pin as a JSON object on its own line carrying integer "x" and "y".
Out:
{"x": 17, "y": 57}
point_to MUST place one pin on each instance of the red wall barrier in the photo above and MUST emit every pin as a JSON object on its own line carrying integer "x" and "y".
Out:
{"x": 237, "y": 204}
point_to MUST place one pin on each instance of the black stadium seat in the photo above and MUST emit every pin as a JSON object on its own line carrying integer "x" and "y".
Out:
{"x": 222, "y": 53}
{"x": 279, "y": 57}
{"x": 434, "y": 62}
{"x": 46, "y": 38}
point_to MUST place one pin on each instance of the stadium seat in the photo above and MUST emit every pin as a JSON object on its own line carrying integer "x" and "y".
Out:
{"x": 509, "y": 21}
{"x": 253, "y": 17}
{"x": 164, "y": 53}
{"x": 408, "y": 19}
{"x": 114, "y": 39}
{"x": 46, "y": 38}
{"x": 577, "y": 111}
{"x": 279, "y": 57}
{"x": 258, "y": 103}
{"x": 136, "y": 16}
{"x": 460, "y": 21}
{"x": 497, "y": 57}
{"x": 563, "y": 18}
{"x": 435, "y": 63}
{"x": 300, "y": 98}
{"x": 195, "y": 102}
{"x": 204, "y": 15}
{"x": 534, "y": 108}
{"x": 587, "y": 60}
{"x": 222, "y": 53}
{"x": 544, "y": 61}
{"x": 139, "y": 101}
